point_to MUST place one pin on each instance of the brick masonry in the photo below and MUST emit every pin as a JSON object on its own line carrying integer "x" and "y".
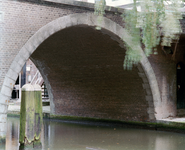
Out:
{"x": 85, "y": 70}
{"x": 28, "y": 23}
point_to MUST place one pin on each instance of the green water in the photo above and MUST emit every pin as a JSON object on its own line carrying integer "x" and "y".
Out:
{"x": 66, "y": 136}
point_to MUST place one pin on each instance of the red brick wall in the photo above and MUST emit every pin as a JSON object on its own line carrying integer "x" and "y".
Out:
{"x": 84, "y": 64}
{"x": 165, "y": 71}
{"x": 22, "y": 19}
{"x": 85, "y": 71}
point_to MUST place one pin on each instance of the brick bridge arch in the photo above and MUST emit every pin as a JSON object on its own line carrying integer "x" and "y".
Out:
{"x": 146, "y": 71}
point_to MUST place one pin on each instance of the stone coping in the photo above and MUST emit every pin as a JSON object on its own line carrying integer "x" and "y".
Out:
{"x": 85, "y": 4}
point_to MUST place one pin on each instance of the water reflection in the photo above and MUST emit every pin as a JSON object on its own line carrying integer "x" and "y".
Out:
{"x": 65, "y": 136}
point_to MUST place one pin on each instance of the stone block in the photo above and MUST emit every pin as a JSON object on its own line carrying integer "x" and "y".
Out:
{"x": 119, "y": 31}
{"x": 3, "y": 117}
{"x": 145, "y": 80}
{"x": 16, "y": 66}
{"x": 33, "y": 43}
{"x": 122, "y": 45}
{"x": 146, "y": 85}
{"x": 12, "y": 74}
{"x": 60, "y": 22}
{"x": 140, "y": 68}
{"x": 40, "y": 36}
{"x": 24, "y": 52}
{"x": 67, "y": 22}
{"x": 9, "y": 82}
{"x": 113, "y": 27}
{"x": 79, "y": 19}
{"x": 148, "y": 92}
{"x": 20, "y": 60}
{"x": 6, "y": 91}
{"x": 108, "y": 24}
{"x": 3, "y": 109}
{"x": 144, "y": 61}
{"x": 4, "y": 99}
{"x": 151, "y": 103}
{"x": 30, "y": 47}
{"x": 150, "y": 111}
{"x": 142, "y": 75}
{"x": 149, "y": 98}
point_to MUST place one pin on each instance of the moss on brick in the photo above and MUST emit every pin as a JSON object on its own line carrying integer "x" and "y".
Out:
{"x": 167, "y": 126}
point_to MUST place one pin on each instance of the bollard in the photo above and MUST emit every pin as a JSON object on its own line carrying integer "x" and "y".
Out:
{"x": 3, "y": 135}
{"x": 38, "y": 115}
{"x": 3, "y": 121}
{"x": 27, "y": 116}
{"x": 3, "y": 126}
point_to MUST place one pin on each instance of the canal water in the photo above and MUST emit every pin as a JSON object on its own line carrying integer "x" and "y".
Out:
{"x": 68, "y": 136}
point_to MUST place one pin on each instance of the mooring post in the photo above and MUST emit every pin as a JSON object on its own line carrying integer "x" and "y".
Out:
{"x": 3, "y": 126}
{"x": 27, "y": 116}
{"x": 38, "y": 114}
{"x": 3, "y": 118}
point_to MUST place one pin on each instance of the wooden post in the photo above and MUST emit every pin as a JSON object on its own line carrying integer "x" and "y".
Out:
{"x": 38, "y": 114}
{"x": 3, "y": 124}
{"x": 27, "y": 116}
{"x": 3, "y": 135}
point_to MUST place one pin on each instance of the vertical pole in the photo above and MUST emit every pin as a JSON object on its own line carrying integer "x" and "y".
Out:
{"x": 3, "y": 119}
{"x": 3, "y": 126}
{"x": 20, "y": 86}
{"x": 27, "y": 116}
{"x": 38, "y": 114}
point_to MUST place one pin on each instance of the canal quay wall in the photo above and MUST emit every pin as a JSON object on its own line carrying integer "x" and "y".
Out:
{"x": 83, "y": 67}
{"x": 170, "y": 124}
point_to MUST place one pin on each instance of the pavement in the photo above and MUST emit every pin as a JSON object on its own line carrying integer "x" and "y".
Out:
{"x": 171, "y": 119}
{"x": 14, "y": 107}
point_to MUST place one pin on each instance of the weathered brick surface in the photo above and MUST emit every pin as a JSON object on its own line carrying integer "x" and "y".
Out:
{"x": 85, "y": 70}
{"x": 165, "y": 71}
{"x": 21, "y": 20}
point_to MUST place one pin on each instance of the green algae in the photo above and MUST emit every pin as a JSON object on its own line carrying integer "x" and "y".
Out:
{"x": 38, "y": 114}
{"x": 162, "y": 126}
{"x": 27, "y": 114}
{"x": 2, "y": 139}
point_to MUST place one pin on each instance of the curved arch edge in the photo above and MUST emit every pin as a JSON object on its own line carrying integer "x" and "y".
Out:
{"x": 67, "y": 21}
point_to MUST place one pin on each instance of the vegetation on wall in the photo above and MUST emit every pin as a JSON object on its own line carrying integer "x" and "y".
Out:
{"x": 154, "y": 22}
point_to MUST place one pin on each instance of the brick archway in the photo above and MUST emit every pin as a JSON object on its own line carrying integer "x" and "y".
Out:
{"x": 68, "y": 21}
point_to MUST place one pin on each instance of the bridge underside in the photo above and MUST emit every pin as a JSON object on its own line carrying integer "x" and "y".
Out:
{"x": 83, "y": 69}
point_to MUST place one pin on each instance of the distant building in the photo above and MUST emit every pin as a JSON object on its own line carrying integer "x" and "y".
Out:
{"x": 29, "y": 75}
